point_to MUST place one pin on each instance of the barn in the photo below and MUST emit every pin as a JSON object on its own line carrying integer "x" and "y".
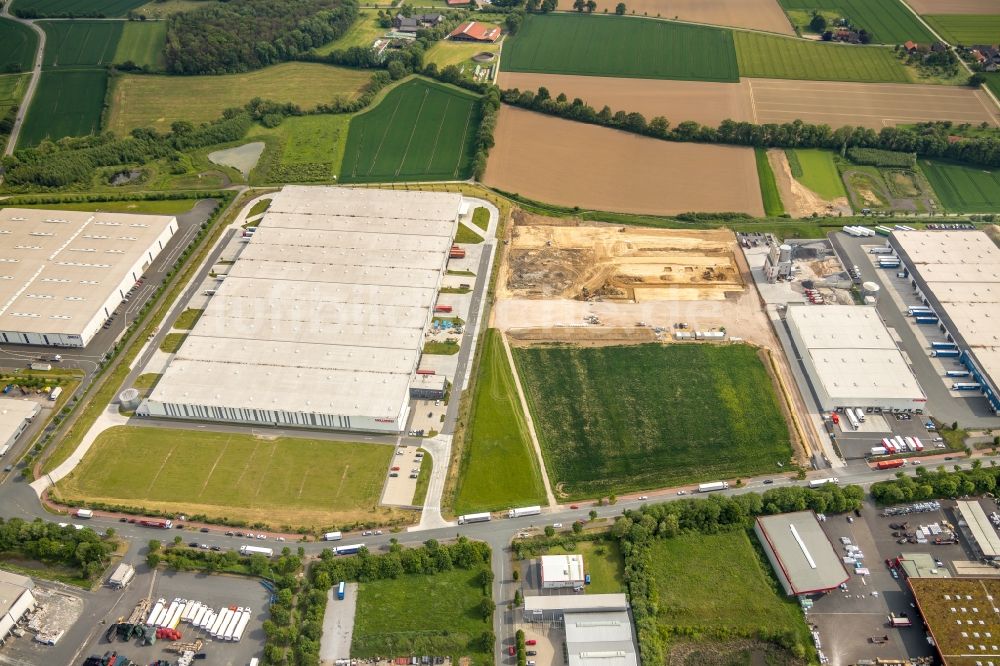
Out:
{"x": 474, "y": 31}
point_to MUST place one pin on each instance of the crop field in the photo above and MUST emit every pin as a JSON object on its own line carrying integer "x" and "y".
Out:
{"x": 768, "y": 185}
{"x": 955, "y": 6}
{"x": 962, "y": 188}
{"x": 621, "y": 47}
{"x": 772, "y": 57}
{"x": 419, "y": 131}
{"x": 232, "y": 475}
{"x": 763, "y": 15}
{"x": 307, "y": 148}
{"x": 19, "y": 44}
{"x": 12, "y": 87}
{"x": 68, "y": 102}
{"x": 967, "y": 28}
{"x": 448, "y": 620}
{"x": 80, "y": 43}
{"x": 67, "y": 8}
{"x": 819, "y": 173}
{"x": 157, "y": 101}
{"x": 142, "y": 42}
{"x": 497, "y": 438}
{"x": 888, "y": 21}
{"x": 619, "y": 419}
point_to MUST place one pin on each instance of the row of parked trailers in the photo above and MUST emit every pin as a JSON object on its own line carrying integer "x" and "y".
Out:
{"x": 225, "y": 624}
{"x": 855, "y": 416}
{"x": 898, "y": 444}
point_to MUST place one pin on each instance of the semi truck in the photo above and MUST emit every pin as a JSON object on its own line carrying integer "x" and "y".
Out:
{"x": 926, "y": 319}
{"x": 348, "y": 550}
{"x": 341, "y": 590}
{"x": 474, "y": 518}
{"x": 879, "y": 450}
{"x": 55, "y": 393}
{"x": 160, "y": 524}
{"x": 966, "y": 386}
{"x": 889, "y": 464}
{"x": 914, "y": 310}
{"x": 851, "y": 418}
{"x": 945, "y": 353}
{"x": 333, "y": 536}
{"x": 456, "y": 252}
{"x": 859, "y": 414}
{"x": 84, "y": 513}
{"x": 713, "y": 486}
{"x": 256, "y": 550}
{"x": 524, "y": 511}
{"x": 818, "y": 483}
{"x": 957, "y": 373}
{"x": 943, "y": 345}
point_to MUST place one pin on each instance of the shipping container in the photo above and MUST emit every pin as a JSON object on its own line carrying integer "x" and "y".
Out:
{"x": 713, "y": 486}
{"x": 256, "y": 550}
{"x": 341, "y": 590}
{"x": 474, "y": 518}
{"x": 348, "y": 550}
{"x": 84, "y": 513}
{"x": 524, "y": 511}
{"x": 242, "y": 625}
{"x": 333, "y": 536}
{"x": 957, "y": 373}
{"x": 945, "y": 353}
{"x": 889, "y": 464}
{"x": 818, "y": 483}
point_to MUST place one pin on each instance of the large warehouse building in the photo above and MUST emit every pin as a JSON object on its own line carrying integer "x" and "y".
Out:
{"x": 63, "y": 273}
{"x": 16, "y": 601}
{"x": 15, "y": 415}
{"x": 851, "y": 358}
{"x": 961, "y": 617}
{"x": 321, "y": 320}
{"x": 957, "y": 274}
{"x": 802, "y": 556}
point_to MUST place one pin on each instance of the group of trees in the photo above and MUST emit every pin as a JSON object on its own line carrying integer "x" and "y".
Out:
{"x": 83, "y": 551}
{"x": 240, "y": 36}
{"x": 940, "y": 483}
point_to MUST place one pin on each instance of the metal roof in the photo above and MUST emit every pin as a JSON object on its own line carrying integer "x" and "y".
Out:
{"x": 562, "y": 568}
{"x": 600, "y": 638}
{"x": 802, "y": 555}
{"x": 575, "y": 602}
{"x": 13, "y": 413}
{"x": 982, "y": 530}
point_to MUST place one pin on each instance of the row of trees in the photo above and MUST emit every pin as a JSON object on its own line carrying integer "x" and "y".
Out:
{"x": 83, "y": 551}
{"x": 932, "y": 139}
{"x": 939, "y": 483}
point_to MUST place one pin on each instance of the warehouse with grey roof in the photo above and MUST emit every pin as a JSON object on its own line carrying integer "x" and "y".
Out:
{"x": 320, "y": 321}
{"x": 802, "y": 556}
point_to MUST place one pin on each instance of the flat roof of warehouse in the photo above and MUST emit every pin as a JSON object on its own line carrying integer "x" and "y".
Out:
{"x": 961, "y": 615}
{"x": 979, "y": 524}
{"x": 59, "y": 267}
{"x": 802, "y": 552}
{"x": 840, "y": 327}
{"x": 948, "y": 247}
{"x": 386, "y": 276}
{"x": 343, "y": 202}
{"x": 934, "y": 274}
{"x": 602, "y": 638}
{"x": 237, "y": 286}
{"x": 13, "y": 412}
{"x": 574, "y": 602}
{"x": 865, "y": 373}
{"x": 965, "y": 292}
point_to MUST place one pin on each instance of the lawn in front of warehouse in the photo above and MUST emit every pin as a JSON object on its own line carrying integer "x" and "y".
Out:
{"x": 602, "y": 561}
{"x": 281, "y": 480}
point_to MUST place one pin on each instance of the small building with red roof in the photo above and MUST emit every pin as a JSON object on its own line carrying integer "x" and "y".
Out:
{"x": 474, "y": 31}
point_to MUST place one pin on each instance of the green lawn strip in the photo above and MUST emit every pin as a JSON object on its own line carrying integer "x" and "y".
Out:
{"x": 497, "y": 438}
{"x": 603, "y": 561}
{"x": 967, "y": 29}
{"x": 774, "y": 57}
{"x": 151, "y": 207}
{"x": 819, "y": 173}
{"x": 481, "y": 218}
{"x": 423, "y": 479}
{"x": 888, "y": 21}
{"x": 621, "y": 419}
{"x": 80, "y": 43}
{"x": 446, "y": 348}
{"x": 68, "y": 102}
{"x": 142, "y": 43}
{"x": 259, "y": 207}
{"x": 187, "y": 319}
{"x": 467, "y": 235}
{"x": 172, "y": 342}
{"x": 962, "y": 188}
{"x": 768, "y": 185}
{"x": 146, "y": 380}
{"x": 19, "y": 45}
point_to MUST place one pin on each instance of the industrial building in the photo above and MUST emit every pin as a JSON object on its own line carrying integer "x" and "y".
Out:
{"x": 561, "y": 571}
{"x": 16, "y": 601}
{"x": 15, "y": 415}
{"x": 598, "y": 626}
{"x": 802, "y": 556}
{"x": 851, "y": 359}
{"x": 961, "y": 617}
{"x": 978, "y": 528}
{"x": 778, "y": 262}
{"x": 320, "y": 321}
{"x": 63, "y": 273}
{"x": 957, "y": 274}
{"x": 921, "y": 565}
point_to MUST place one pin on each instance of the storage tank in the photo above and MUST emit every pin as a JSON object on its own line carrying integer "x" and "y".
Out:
{"x": 785, "y": 252}
{"x": 129, "y": 399}
{"x": 870, "y": 289}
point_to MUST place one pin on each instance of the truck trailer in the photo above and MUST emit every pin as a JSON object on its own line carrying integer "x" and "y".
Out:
{"x": 926, "y": 319}
{"x": 348, "y": 550}
{"x": 333, "y": 536}
{"x": 84, "y": 513}
{"x": 713, "y": 486}
{"x": 943, "y": 345}
{"x": 957, "y": 373}
{"x": 256, "y": 550}
{"x": 819, "y": 483}
{"x": 524, "y": 511}
{"x": 242, "y": 625}
{"x": 474, "y": 518}
{"x": 966, "y": 386}
{"x": 160, "y": 524}
{"x": 889, "y": 464}
{"x": 945, "y": 353}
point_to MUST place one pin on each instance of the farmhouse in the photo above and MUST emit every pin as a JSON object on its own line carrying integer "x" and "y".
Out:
{"x": 474, "y": 31}
{"x": 63, "y": 273}
{"x": 16, "y": 601}
{"x": 15, "y": 415}
{"x": 961, "y": 617}
{"x": 321, "y": 320}
{"x": 957, "y": 274}
{"x": 802, "y": 556}
{"x": 561, "y": 571}
{"x": 416, "y": 22}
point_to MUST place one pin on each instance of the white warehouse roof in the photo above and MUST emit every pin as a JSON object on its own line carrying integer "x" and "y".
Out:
{"x": 13, "y": 414}
{"x": 562, "y": 568}
{"x": 575, "y": 602}
{"x": 600, "y": 639}
{"x": 983, "y": 532}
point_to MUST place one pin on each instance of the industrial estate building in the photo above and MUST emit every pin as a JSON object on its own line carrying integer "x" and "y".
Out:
{"x": 961, "y": 616}
{"x": 63, "y": 273}
{"x": 320, "y": 322}
{"x": 16, "y": 601}
{"x": 851, "y": 358}
{"x": 802, "y": 556}
{"x": 978, "y": 528}
{"x": 598, "y": 626}
{"x": 957, "y": 274}
{"x": 561, "y": 571}
{"x": 15, "y": 415}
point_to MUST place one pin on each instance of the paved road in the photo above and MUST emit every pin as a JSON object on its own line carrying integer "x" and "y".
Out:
{"x": 36, "y": 75}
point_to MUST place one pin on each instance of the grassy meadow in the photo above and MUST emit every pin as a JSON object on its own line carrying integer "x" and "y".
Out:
{"x": 816, "y": 169}
{"x": 964, "y": 189}
{"x": 142, "y": 42}
{"x": 773, "y": 57}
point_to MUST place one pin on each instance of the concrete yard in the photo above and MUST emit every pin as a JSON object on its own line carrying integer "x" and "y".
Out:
{"x": 338, "y": 625}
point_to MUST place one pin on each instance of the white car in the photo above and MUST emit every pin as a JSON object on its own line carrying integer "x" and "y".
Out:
{"x": 279, "y": 538}
{"x": 262, "y": 536}
{"x": 643, "y": 497}
{"x": 556, "y": 525}
{"x": 366, "y": 533}
{"x": 682, "y": 492}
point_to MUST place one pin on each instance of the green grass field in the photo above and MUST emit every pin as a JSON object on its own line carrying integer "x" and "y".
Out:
{"x": 80, "y": 43}
{"x": 772, "y": 57}
{"x": 12, "y": 87}
{"x": 419, "y": 614}
{"x": 146, "y": 380}
{"x": 819, "y": 173}
{"x": 603, "y": 561}
{"x": 620, "y": 46}
{"x": 298, "y": 481}
{"x": 68, "y": 102}
{"x": 306, "y": 148}
{"x": 142, "y": 42}
{"x": 156, "y": 101}
{"x": 964, "y": 189}
{"x": 967, "y": 29}
{"x": 151, "y": 207}
{"x": 497, "y": 438}
{"x": 421, "y": 130}
{"x": 768, "y": 186}
{"x": 888, "y": 21}
{"x": 620, "y": 419}
{"x": 717, "y": 582}
{"x": 19, "y": 45}
{"x": 363, "y": 32}
{"x": 467, "y": 235}
{"x": 447, "y": 52}
{"x": 66, "y": 8}
{"x": 423, "y": 479}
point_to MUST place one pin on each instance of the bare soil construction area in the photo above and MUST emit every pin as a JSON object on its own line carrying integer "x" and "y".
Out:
{"x": 754, "y": 14}
{"x": 705, "y": 102}
{"x": 868, "y": 104}
{"x": 799, "y": 200}
{"x": 573, "y": 164}
{"x": 955, "y": 6}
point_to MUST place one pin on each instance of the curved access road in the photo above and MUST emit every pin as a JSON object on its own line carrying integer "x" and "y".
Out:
{"x": 36, "y": 75}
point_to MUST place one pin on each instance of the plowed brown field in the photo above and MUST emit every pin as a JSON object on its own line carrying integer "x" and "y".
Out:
{"x": 955, "y": 6}
{"x": 702, "y": 101}
{"x": 574, "y": 164}
{"x": 754, "y": 14}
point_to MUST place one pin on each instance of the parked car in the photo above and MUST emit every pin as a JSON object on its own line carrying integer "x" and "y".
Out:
{"x": 531, "y": 641}
{"x": 511, "y": 650}
{"x": 768, "y": 482}
{"x": 204, "y": 529}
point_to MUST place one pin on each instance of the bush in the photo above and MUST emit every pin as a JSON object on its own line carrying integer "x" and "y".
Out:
{"x": 881, "y": 158}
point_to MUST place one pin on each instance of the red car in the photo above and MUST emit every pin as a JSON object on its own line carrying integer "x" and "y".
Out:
{"x": 394, "y": 469}
{"x": 574, "y": 506}
{"x": 511, "y": 651}
{"x": 530, "y": 641}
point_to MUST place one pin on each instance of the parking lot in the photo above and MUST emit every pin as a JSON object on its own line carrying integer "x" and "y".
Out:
{"x": 405, "y": 465}
{"x": 857, "y": 444}
{"x": 549, "y": 637}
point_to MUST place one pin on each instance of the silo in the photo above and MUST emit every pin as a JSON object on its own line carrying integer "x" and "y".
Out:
{"x": 129, "y": 399}
{"x": 785, "y": 253}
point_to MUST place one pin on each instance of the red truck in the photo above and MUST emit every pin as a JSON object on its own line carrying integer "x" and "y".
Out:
{"x": 161, "y": 524}
{"x": 442, "y": 308}
{"x": 456, "y": 252}
{"x": 889, "y": 464}
{"x": 426, "y": 372}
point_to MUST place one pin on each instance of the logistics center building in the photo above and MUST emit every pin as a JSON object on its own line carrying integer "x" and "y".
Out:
{"x": 957, "y": 274}
{"x": 320, "y": 322}
{"x": 851, "y": 358}
{"x": 802, "y": 556}
{"x": 63, "y": 273}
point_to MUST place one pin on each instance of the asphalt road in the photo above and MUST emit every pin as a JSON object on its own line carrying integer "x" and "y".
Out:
{"x": 36, "y": 75}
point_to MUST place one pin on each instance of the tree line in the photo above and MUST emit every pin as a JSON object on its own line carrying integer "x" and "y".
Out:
{"x": 83, "y": 551}
{"x": 937, "y": 484}
{"x": 927, "y": 139}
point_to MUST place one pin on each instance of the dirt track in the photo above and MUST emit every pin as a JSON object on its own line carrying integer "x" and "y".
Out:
{"x": 755, "y": 14}
{"x": 702, "y": 101}
{"x": 955, "y": 6}
{"x": 573, "y": 164}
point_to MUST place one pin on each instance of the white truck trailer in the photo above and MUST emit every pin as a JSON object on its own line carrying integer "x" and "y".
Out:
{"x": 256, "y": 550}
{"x": 474, "y": 518}
{"x": 524, "y": 511}
{"x": 333, "y": 536}
{"x": 242, "y": 625}
{"x": 819, "y": 483}
{"x": 713, "y": 486}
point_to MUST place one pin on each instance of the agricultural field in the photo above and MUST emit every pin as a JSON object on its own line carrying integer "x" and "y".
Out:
{"x": 575, "y": 164}
{"x": 448, "y": 620}
{"x": 157, "y": 101}
{"x": 816, "y": 170}
{"x": 82, "y": 8}
{"x": 19, "y": 45}
{"x": 689, "y": 571}
{"x": 629, "y": 418}
{"x": 768, "y": 185}
{"x": 888, "y": 21}
{"x": 280, "y": 480}
{"x": 80, "y": 43}
{"x": 620, "y": 47}
{"x": 954, "y": 6}
{"x": 421, "y": 130}
{"x": 967, "y": 29}
{"x": 962, "y": 188}
{"x": 765, "y": 15}
{"x": 12, "y": 87}
{"x": 68, "y": 102}
{"x": 303, "y": 149}
{"x": 497, "y": 438}
{"x": 142, "y": 42}
{"x": 773, "y": 57}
